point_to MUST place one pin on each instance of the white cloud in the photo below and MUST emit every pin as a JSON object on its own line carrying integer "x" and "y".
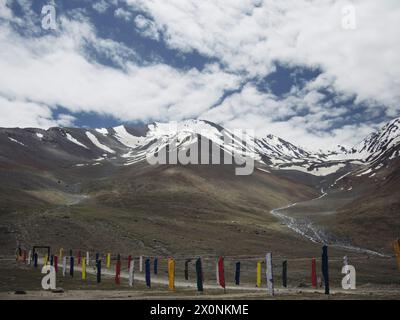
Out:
{"x": 248, "y": 35}
{"x": 123, "y": 14}
{"x": 54, "y": 71}
{"x": 26, "y": 114}
{"x": 101, "y": 6}
{"x": 5, "y": 12}
{"x": 319, "y": 127}
{"x": 146, "y": 27}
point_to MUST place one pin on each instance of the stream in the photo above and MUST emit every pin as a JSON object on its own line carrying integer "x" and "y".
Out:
{"x": 307, "y": 229}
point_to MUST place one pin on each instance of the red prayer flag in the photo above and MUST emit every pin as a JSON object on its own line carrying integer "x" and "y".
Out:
{"x": 118, "y": 272}
{"x": 221, "y": 272}
{"x": 314, "y": 273}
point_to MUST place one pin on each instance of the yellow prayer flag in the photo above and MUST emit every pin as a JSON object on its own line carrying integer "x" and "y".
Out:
{"x": 61, "y": 254}
{"x": 258, "y": 274}
{"x": 171, "y": 273}
{"x": 108, "y": 260}
{"x": 396, "y": 248}
{"x": 83, "y": 268}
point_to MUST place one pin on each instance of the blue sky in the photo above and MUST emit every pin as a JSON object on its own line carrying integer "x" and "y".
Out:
{"x": 291, "y": 69}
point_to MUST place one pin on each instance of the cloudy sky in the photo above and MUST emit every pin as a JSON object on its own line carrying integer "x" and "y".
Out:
{"x": 317, "y": 73}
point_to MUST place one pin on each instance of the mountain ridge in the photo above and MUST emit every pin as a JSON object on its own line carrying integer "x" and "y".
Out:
{"x": 126, "y": 145}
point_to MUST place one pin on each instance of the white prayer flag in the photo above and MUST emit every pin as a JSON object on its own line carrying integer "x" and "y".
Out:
{"x": 131, "y": 273}
{"x": 64, "y": 266}
{"x": 270, "y": 276}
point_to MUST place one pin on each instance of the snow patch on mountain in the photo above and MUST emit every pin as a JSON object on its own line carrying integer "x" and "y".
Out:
{"x": 73, "y": 140}
{"x": 102, "y": 131}
{"x": 97, "y": 143}
{"x": 16, "y": 141}
{"x": 126, "y": 138}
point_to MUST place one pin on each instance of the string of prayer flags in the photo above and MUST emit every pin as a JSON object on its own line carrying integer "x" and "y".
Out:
{"x": 270, "y": 274}
{"x": 199, "y": 275}
{"x": 237, "y": 274}
{"x": 147, "y": 270}
{"x": 314, "y": 273}
{"x": 171, "y": 273}
{"x": 325, "y": 269}
{"x": 284, "y": 274}
{"x": 46, "y": 260}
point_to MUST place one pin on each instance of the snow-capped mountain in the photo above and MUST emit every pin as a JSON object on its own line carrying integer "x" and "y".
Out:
{"x": 378, "y": 143}
{"x": 127, "y": 145}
